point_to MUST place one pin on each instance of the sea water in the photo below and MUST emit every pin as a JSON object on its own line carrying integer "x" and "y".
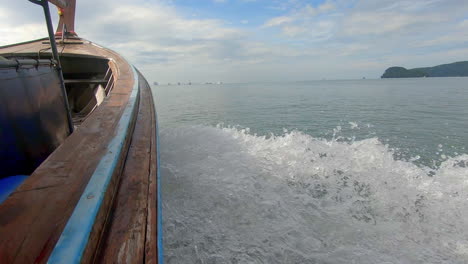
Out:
{"x": 359, "y": 171}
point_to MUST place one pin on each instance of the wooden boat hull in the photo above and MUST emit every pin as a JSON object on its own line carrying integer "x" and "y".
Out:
{"x": 95, "y": 198}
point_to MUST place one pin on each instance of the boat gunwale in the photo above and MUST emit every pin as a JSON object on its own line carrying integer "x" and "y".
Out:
{"x": 23, "y": 43}
{"x": 75, "y": 236}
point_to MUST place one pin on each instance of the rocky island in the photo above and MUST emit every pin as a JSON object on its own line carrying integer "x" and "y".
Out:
{"x": 455, "y": 69}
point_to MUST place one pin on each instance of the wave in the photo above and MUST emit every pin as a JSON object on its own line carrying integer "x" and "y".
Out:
{"x": 230, "y": 196}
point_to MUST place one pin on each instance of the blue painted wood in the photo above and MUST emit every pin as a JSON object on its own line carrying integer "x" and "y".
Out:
{"x": 74, "y": 238}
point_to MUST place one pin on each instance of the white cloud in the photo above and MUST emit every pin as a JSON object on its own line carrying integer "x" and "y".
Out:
{"x": 12, "y": 33}
{"x": 451, "y": 38}
{"x": 18, "y": 34}
{"x": 409, "y": 6}
{"x": 300, "y": 14}
{"x": 463, "y": 24}
{"x": 326, "y": 7}
{"x": 278, "y": 21}
{"x": 383, "y": 22}
{"x": 308, "y": 23}
{"x": 158, "y": 22}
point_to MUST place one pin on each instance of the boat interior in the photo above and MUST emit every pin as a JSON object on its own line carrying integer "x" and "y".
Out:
{"x": 35, "y": 111}
{"x": 88, "y": 81}
{"x": 45, "y": 163}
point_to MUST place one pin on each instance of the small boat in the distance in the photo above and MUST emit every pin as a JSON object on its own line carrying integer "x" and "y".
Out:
{"x": 78, "y": 152}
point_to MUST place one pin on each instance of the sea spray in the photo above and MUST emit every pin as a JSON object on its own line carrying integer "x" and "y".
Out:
{"x": 230, "y": 196}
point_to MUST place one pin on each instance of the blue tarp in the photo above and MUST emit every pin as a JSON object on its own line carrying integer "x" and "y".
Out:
{"x": 9, "y": 184}
{"x": 33, "y": 119}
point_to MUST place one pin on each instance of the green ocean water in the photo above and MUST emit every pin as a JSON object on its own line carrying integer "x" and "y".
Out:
{"x": 352, "y": 171}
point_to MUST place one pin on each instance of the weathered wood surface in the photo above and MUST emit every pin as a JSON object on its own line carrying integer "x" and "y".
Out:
{"x": 102, "y": 219}
{"x": 151, "y": 243}
{"x": 127, "y": 239}
{"x": 33, "y": 217}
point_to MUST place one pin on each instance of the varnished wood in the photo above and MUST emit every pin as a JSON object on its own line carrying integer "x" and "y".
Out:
{"x": 67, "y": 18}
{"x": 102, "y": 219}
{"x": 124, "y": 242}
{"x": 151, "y": 243}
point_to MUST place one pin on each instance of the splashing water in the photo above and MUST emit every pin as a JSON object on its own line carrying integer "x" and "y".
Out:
{"x": 233, "y": 197}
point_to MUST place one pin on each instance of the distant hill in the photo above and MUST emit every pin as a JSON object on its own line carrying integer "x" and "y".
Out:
{"x": 455, "y": 69}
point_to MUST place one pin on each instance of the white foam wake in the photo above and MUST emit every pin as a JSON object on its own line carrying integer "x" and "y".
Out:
{"x": 233, "y": 197}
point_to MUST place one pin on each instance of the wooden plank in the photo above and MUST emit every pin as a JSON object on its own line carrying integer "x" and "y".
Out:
{"x": 124, "y": 241}
{"x": 91, "y": 81}
{"x": 151, "y": 243}
{"x": 32, "y": 219}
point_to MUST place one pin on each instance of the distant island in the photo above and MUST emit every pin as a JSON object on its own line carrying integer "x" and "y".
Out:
{"x": 455, "y": 69}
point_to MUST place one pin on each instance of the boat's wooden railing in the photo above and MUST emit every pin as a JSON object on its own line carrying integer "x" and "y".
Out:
{"x": 107, "y": 81}
{"x": 83, "y": 230}
{"x": 109, "y": 76}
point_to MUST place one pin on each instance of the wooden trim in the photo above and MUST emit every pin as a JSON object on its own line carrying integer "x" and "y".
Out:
{"x": 151, "y": 240}
{"x": 124, "y": 240}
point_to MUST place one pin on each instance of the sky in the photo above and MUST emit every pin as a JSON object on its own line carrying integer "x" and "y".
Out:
{"x": 261, "y": 40}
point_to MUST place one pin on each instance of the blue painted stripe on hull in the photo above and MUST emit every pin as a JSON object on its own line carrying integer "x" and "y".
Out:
{"x": 74, "y": 238}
